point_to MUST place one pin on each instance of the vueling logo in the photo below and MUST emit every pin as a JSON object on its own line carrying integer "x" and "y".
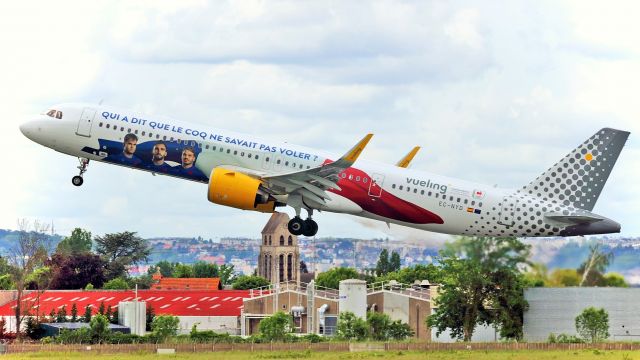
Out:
{"x": 428, "y": 184}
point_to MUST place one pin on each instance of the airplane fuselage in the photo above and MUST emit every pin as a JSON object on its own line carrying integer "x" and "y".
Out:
{"x": 368, "y": 189}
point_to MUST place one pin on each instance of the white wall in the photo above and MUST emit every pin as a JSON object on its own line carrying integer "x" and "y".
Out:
{"x": 220, "y": 324}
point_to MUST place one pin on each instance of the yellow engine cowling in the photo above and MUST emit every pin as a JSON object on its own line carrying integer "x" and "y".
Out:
{"x": 235, "y": 189}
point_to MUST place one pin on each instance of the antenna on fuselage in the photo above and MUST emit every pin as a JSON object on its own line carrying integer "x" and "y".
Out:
{"x": 100, "y": 102}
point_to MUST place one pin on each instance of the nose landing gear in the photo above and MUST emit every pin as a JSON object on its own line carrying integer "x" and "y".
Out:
{"x": 78, "y": 180}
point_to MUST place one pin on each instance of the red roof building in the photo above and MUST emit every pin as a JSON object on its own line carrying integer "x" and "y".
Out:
{"x": 163, "y": 283}
{"x": 176, "y": 303}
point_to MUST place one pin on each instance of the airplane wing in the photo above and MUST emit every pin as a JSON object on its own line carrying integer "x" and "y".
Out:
{"x": 406, "y": 160}
{"x": 311, "y": 184}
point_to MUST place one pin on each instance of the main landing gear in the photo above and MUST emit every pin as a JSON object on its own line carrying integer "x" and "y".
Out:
{"x": 78, "y": 180}
{"x": 307, "y": 227}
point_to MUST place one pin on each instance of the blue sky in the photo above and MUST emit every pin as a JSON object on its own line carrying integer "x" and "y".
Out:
{"x": 494, "y": 93}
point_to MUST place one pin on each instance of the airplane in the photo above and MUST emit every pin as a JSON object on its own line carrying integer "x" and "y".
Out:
{"x": 249, "y": 173}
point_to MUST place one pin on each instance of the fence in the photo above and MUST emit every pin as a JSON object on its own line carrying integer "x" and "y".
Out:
{"x": 325, "y": 346}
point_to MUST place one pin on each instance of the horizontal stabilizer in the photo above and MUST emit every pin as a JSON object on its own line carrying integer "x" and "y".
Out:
{"x": 573, "y": 219}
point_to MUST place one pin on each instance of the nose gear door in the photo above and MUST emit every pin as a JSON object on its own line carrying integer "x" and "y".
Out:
{"x": 86, "y": 121}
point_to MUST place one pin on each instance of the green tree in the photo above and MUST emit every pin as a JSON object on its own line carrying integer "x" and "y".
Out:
{"x": 593, "y": 324}
{"x": 481, "y": 285}
{"x": 121, "y": 250}
{"x": 6, "y": 283}
{"x": 382, "y": 266}
{"x": 116, "y": 284}
{"x": 101, "y": 308}
{"x": 409, "y": 275}
{"x": 246, "y": 282}
{"x": 399, "y": 331}
{"x": 74, "y": 312}
{"x": 165, "y": 326}
{"x": 227, "y": 274}
{"x": 276, "y": 326}
{"x": 86, "y": 317}
{"x": 613, "y": 279}
{"x": 203, "y": 269}
{"x": 564, "y": 277}
{"x": 378, "y": 325}
{"x": 166, "y": 268}
{"x": 99, "y": 327}
{"x": 78, "y": 242}
{"x": 351, "y": 327}
{"x": 394, "y": 263}
{"x": 594, "y": 266}
{"x": 61, "y": 316}
{"x": 150, "y": 315}
{"x": 183, "y": 271}
{"x": 331, "y": 278}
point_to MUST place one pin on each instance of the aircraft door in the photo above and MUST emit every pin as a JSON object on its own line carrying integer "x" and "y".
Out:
{"x": 86, "y": 121}
{"x": 375, "y": 185}
{"x": 507, "y": 212}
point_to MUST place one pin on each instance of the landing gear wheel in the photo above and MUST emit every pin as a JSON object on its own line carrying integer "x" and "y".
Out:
{"x": 311, "y": 227}
{"x": 296, "y": 226}
{"x": 77, "y": 180}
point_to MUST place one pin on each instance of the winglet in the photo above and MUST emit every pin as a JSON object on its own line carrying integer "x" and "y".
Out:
{"x": 352, "y": 155}
{"x": 406, "y": 160}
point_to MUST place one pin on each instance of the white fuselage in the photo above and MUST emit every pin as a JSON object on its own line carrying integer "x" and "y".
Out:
{"x": 406, "y": 197}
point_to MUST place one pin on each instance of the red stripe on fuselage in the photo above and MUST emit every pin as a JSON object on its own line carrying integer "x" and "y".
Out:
{"x": 386, "y": 205}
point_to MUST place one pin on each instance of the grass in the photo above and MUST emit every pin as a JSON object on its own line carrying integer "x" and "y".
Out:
{"x": 404, "y": 355}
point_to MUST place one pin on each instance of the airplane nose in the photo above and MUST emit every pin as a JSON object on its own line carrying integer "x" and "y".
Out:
{"x": 25, "y": 128}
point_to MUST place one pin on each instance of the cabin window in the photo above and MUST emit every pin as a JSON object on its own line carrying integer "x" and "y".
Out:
{"x": 437, "y": 195}
{"x": 213, "y": 148}
{"x": 242, "y": 153}
{"x": 108, "y": 126}
{"x": 350, "y": 177}
{"x": 400, "y": 187}
{"x": 473, "y": 202}
{"x": 408, "y": 189}
{"x": 466, "y": 201}
{"x": 144, "y": 132}
{"x": 122, "y": 128}
{"x": 286, "y": 163}
{"x": 430, "y": 193}
{"x": 136, "y": 132}
{"x": 308, "y": 167}
{"x": 228, "y": 151}
{"x": 256, "y": 157}
{"x": 278, "y": 161}
{"x": 343, "y": 175}
{"x": 357, "y": 178}
{"x": 207, "y": 147}
{"x": 249, "y": 155}
{"x": 164, "y": 138}
{"x": 150, "y": 135}
{"x": 421, "y": 192}
{"x": 480, "y": 204}
{"x": 100, "y": 124}
{"x": 393, "y": 186}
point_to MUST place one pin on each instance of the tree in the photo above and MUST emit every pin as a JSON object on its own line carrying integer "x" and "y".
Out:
{"x": 382, "y": 266}
{"x": 70, "y": 272}
{"x": 593, "y": 324}
{"x": 150, "y": 315}
{"x": 394, "y": 263}
{"x": 481, "y": 285}
{"x": 116, "y": 284}
{"x": 61, "y": 316}
{"x": 99, "y": 327}
{"x": 87, "y": 314}
{"x": 74, "y": 313}
{"x": 246, "y": 282}
{"x": 595, "y": 265}
{"x": 101, "y": 308}
{"x": 564, "y": 277}
{"x": 303, "y": 267}
{"x": 613, "y": 279}
{"x": 276, "y": 326}
{"x": 351, "y": 327}
{"x": 183, "y": 271}
{"x": 79, "y": 242}
{"x": 203, "y": 269}
{"x": 121, "y": 250}
{"x": 166, "y": 268}
{"x": 26, "y": 255}
{"x": 331, "y": 278}
{"x": 165, "y": 326}
{"x": 399, "y": 330}
{"x": 227, "y": 274}
{"x": 378, "y": 325}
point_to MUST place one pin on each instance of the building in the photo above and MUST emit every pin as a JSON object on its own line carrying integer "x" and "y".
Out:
{"x": 163, "y": 283}
{"x": 554, "y": 310}
{"x": 217, "y": 310}
{"x": 315, "y": 309}
{"x": 279, "y": 259}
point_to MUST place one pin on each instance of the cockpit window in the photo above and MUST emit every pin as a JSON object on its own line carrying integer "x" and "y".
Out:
{"x": 55, "y": 114}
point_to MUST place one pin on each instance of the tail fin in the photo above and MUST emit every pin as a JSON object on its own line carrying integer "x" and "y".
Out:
{"x": 578, "y": 178}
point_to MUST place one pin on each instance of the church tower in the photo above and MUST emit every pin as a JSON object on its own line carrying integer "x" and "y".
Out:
{"x": 279, "y": 253}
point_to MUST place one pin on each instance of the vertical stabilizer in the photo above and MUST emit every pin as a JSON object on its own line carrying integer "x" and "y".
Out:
{"x": 578, "y": 178}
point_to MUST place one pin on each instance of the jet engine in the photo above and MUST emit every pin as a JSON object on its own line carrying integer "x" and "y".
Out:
{"x": 238, "y": 190}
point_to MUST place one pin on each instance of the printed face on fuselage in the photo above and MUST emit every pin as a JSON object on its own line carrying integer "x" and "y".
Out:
{"x": 159, "y": 152}
{"x": 130, "y": 147}
{"x": 188, "y": 157}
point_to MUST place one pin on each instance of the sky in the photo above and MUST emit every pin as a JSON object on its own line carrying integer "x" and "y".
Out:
{"x": 494, "y": 92}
